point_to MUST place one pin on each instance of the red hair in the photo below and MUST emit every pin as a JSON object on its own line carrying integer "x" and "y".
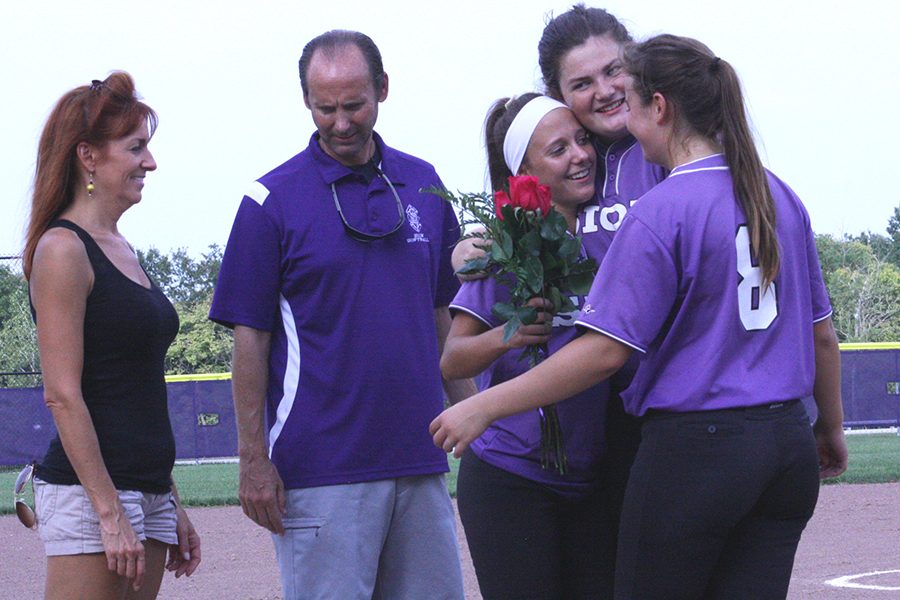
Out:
{"x": 96, "y": 114}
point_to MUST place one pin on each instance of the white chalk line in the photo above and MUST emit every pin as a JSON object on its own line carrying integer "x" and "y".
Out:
{"x": 849, "y": 581}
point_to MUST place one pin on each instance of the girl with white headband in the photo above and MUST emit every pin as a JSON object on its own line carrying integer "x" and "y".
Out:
{"x": 532, "y": 532}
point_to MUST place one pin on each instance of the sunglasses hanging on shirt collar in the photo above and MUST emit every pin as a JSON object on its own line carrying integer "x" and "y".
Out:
{"x": 362, "y": 236}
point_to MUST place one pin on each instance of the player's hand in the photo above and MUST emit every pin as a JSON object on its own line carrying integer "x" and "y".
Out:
{"x": 261, "y": 493}
{"x": 184, "y": 557}
{"x": 455, "y": 428}
{"x": 124, "y": 551}
{"x": 468, "y": 249}
{"x": 539, "y": 331}
{"x": 832, "y": 448}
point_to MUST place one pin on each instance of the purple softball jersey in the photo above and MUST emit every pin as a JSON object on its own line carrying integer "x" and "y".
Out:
{"x": 353, "y": 371}
{"x": 625, "y": 177}
{"x": 691, "y": 297}
{"x": 514, "y": 443}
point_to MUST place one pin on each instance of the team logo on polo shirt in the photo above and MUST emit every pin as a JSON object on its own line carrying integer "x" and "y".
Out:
{"x": 412, "y": 217}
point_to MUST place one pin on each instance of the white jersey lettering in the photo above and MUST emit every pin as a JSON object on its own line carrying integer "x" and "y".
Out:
{"x": 757, "y": 310}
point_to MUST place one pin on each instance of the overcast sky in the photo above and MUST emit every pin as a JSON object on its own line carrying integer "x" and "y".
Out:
{"x": 821, "y": 79}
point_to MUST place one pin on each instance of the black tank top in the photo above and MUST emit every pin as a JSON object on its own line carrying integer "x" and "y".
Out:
{"x": 127, "y": 330}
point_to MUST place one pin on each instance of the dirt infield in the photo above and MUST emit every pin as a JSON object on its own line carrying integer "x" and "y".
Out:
{"x": 856, "y": 530}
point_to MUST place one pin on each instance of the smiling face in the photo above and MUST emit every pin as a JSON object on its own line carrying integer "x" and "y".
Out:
{"x": 344, "y": 103}
{"x": 591, "y": 84}
{"x": 561, "y": 156}
{"x": 121, "y": 166}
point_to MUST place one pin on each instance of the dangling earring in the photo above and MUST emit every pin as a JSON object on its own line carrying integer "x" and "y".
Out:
{"x": 90, "y": 185}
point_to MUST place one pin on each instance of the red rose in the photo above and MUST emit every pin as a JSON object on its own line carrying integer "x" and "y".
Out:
{"x": 500, "y": 200}
{"x": 527, "y": 192}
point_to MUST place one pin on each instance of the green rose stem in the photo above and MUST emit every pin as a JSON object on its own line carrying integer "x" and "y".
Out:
{"x": 553, "y": 443}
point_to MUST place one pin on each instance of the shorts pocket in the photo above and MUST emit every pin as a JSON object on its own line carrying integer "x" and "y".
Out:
{"x": 44, "y": 500}
{"x": 303, "y": 525}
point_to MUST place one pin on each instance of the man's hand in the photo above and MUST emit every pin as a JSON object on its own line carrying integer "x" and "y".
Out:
{"x": 261, "y": 493}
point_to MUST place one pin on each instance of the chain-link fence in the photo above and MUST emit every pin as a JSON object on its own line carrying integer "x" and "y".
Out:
{"x": 19, "y": 359}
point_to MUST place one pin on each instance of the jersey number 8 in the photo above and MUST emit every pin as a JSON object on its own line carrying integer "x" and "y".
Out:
{"x": 757, "y": 310}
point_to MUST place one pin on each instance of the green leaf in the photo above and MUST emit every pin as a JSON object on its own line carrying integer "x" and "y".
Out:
{"x": 526, "y": 315}
{"x": 580, "y": 283}
{"x": 510, "y": 329}
{"x": 476, "y": 265}
{"x": 566, "y": 304}
{"x": 570, "y": 248}
{"x": 533, "y": 275}
{"x": 504, "y": 310}
{"x": 554, "y": 227}
{"x": 553, "y": 266}
{"x": 502, "y": 248}
{"x": 555, "y": 297}
{"x": 530, "y": 244}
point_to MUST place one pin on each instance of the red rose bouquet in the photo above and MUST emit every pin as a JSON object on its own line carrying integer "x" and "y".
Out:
{"x": 533, "y": 255}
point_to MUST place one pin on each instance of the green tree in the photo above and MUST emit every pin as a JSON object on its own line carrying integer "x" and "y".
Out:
{"x": 183, "y": 279}
{"x": 201, "y": 345}
{"x": 18, "y": 338}
{"x": 864, "y": 289}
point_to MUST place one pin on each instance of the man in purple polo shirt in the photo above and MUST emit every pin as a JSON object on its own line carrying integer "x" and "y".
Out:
{"x": 336, "y": 279}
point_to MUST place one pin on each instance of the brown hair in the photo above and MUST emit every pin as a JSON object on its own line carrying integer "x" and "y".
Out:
{"x": 500, "y": 116}
{"x": 330, "y": 41}
{"x": 705, "y": 93}
{"x": 570, "y": 30}
{"x": 96, "y": 114}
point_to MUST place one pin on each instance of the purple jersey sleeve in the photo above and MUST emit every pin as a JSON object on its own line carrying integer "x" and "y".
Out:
{"x": 247, "y": 289}
{"x": 821, "y": 305}
{"x": 478, "y": 297}
{"x": 631, "y": 305}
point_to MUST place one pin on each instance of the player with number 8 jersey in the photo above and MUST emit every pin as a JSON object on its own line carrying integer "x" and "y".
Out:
{"x": 714, "y": 277}
{"x": 688, "y": 240}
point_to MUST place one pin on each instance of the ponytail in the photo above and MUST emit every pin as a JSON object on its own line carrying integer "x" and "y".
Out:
{"x": 496, "y": 124}
{"x": 706, "y": 95}
{"x": 751, "y": 184}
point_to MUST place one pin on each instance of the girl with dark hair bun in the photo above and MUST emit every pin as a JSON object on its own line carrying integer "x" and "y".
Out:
{"x": 106, "y": 506}
{"x": 732, "y": 317}
{"x": 533, "y": 532}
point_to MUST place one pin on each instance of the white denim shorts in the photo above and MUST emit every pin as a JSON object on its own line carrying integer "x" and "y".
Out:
{"x": 68, "y": 523}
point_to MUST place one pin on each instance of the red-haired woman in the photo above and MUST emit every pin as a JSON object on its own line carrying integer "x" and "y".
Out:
{"x": 106, "y": 507}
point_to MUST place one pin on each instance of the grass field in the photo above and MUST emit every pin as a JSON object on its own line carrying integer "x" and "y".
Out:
{"x": 874, "y": 458}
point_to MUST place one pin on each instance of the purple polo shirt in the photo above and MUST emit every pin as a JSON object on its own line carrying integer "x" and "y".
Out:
{"x": 353, "y": 371}
{"x": 691, "y": 298}
{"x": 514, "y": 443}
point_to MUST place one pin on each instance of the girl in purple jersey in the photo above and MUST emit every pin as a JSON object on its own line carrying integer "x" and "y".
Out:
{"x": 579, "y": 54}
{"x": 733, "y": 319}
{"x": 532, "y": 532}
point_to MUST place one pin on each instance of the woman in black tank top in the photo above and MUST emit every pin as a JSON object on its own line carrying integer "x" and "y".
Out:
{"x": 103, "y": 331}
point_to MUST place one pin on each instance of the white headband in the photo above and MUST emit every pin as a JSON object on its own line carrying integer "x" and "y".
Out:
{"x": 522, "y": 128}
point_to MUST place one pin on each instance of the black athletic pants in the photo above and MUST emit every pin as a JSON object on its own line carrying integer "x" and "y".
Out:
{"x": 528, "y": 542}
{"x": 715, "y": 504}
